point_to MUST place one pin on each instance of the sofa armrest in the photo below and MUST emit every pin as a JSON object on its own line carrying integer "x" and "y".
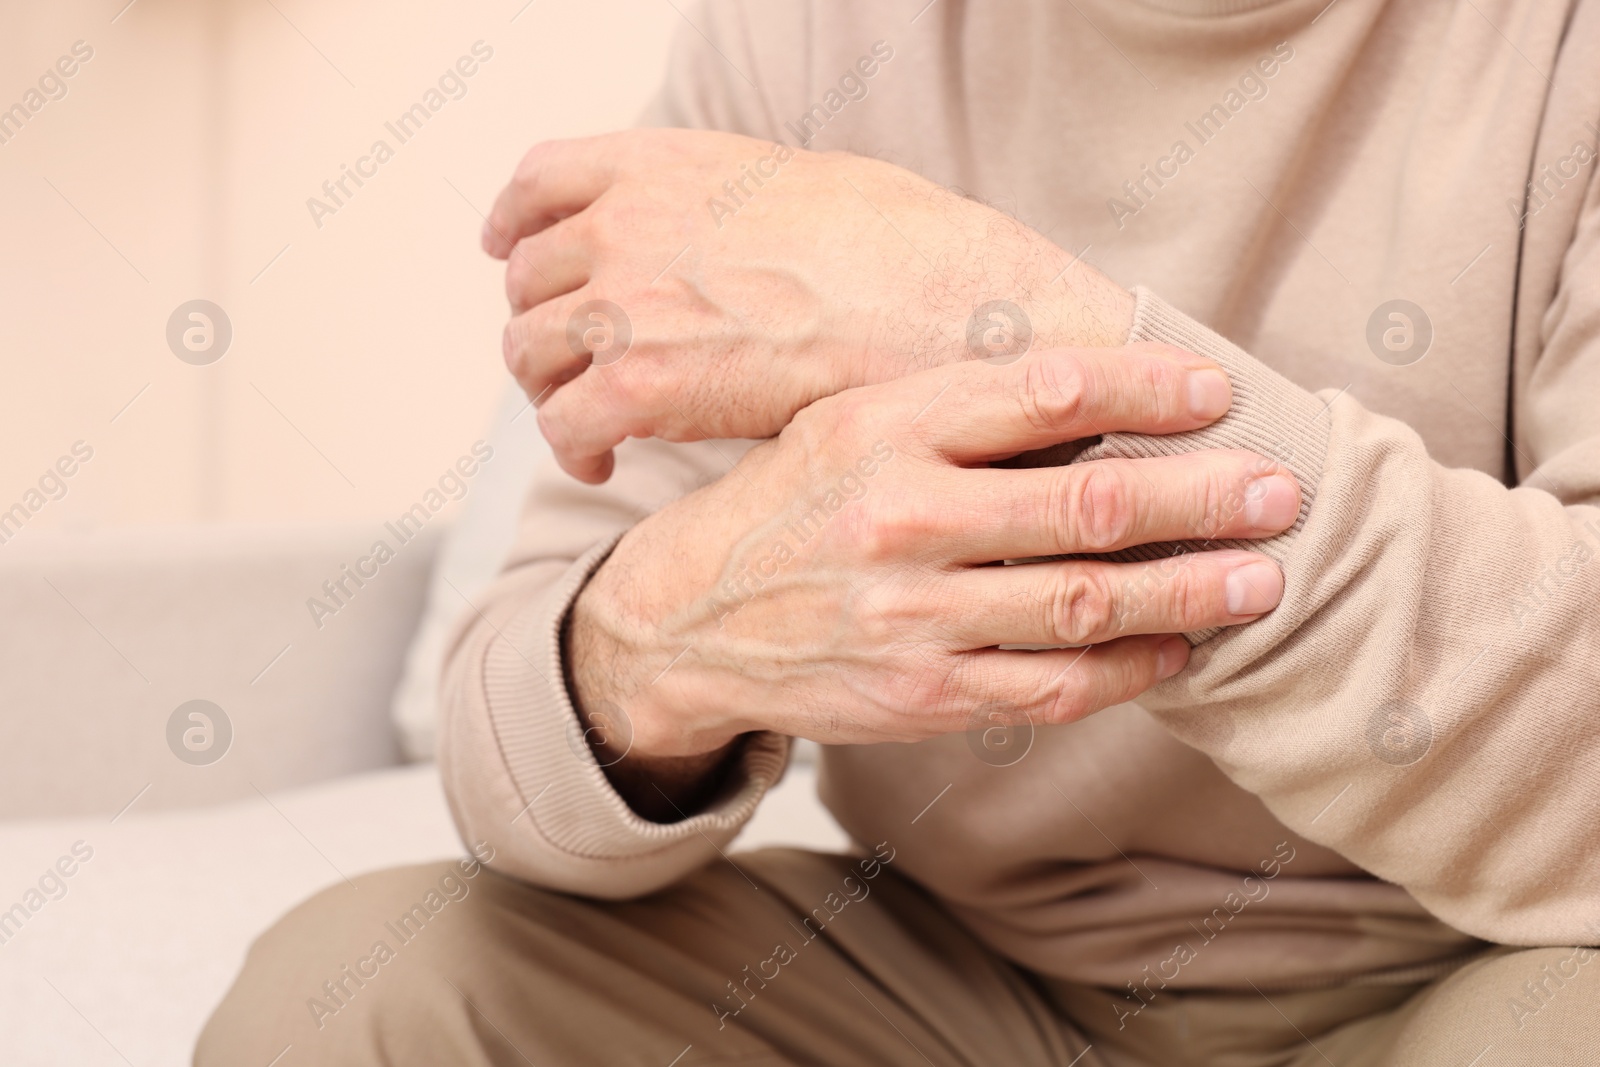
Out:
{"x": 104, "y": 635}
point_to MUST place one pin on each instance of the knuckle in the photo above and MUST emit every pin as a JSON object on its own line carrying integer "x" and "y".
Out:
{"x": 555, "y": 428}
{"x": 1177, "y": 594}
{"x": 622, "y": 215}
{"x": 1185, "y": 602}
{"x": 630, "y": 148}
{"x": 1219, "y": 499}
{"x": 511, "y": 345}
{"x": 1159, "y": 384}
{"x": 628, "y": 389}
{"x": 599, "y": 228}
{"x": 809, "y": 430}
{"x": 532, "y": 164}
{"x": 926, "y": 683}
{"x": 887, "y": 529}
{"x": 621, "y": 404}
{"x": 519, "y": 278}
{"x": 1080, "y": 607}
{"x": 876, "y": 618}
{"x": 1052, "y": 392}
{"x": 1096, "y": 508}
{"x": 1139, "y": 596}
{"x": 1067, "y": 703}
{"x": 840, "y": 417}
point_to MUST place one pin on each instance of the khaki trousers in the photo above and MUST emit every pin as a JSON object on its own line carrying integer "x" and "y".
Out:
{"x": 428, "y": 966}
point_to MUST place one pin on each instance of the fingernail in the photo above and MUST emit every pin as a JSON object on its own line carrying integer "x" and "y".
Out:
{"x": 1209, "y": 394}
{"x": 1171, "y": 656}
{"x": 1254, "y": 587}
{"x": 1272, "y": 503}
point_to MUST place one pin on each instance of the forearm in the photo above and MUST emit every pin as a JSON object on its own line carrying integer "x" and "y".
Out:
{"x": 1090, "y": 309}
{"x": 1035, "y": 296}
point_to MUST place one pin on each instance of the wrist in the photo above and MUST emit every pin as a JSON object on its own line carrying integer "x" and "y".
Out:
{"x": 624, "y": 704}
{"x": 661, "y": 786}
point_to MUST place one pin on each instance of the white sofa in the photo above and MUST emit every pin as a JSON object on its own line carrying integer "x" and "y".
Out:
{"x": 102, "y": 637}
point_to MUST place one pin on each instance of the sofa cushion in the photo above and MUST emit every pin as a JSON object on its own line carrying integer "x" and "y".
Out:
{"x": 130, "y": 931}
{"x": 106, "y": 634}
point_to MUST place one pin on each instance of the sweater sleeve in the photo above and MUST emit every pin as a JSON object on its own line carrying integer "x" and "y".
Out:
{"x": 1426, "y": 698}
{"x": 518, "y": 772}
{"x": 517, "y": 769}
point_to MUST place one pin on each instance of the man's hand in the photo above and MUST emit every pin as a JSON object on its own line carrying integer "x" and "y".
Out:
{"x": 840, "y": 584}
{"x": 688, "y": 284}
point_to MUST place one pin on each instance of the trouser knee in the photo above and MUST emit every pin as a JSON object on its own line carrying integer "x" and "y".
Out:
{"x": 353, "y": 968}
{"x": 1533, "y": 1006}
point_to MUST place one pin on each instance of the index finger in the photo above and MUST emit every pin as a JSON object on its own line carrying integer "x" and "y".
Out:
{"x": 1052, "y": 396}
{"x": 555, "y": 179}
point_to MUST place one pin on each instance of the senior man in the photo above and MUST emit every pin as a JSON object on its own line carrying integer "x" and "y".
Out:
{"x": 1276, "y": 742}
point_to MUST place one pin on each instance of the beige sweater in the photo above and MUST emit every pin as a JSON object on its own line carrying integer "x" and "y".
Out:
{"x": 1402, "y": 758}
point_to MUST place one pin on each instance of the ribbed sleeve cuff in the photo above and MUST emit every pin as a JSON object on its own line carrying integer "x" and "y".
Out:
{"x": 568, "y": 796}
{"x": 1270, "y": 416}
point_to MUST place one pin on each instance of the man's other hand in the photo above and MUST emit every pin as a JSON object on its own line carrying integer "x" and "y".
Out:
{"x": 689, "y": 284}
{"x": 841, "y": 583}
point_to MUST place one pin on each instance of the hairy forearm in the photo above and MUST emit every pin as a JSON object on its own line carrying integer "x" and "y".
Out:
{"x": 1104, "y": 310}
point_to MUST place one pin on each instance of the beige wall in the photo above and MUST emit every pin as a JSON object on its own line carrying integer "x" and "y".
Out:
{"x": 366, "y": 357}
